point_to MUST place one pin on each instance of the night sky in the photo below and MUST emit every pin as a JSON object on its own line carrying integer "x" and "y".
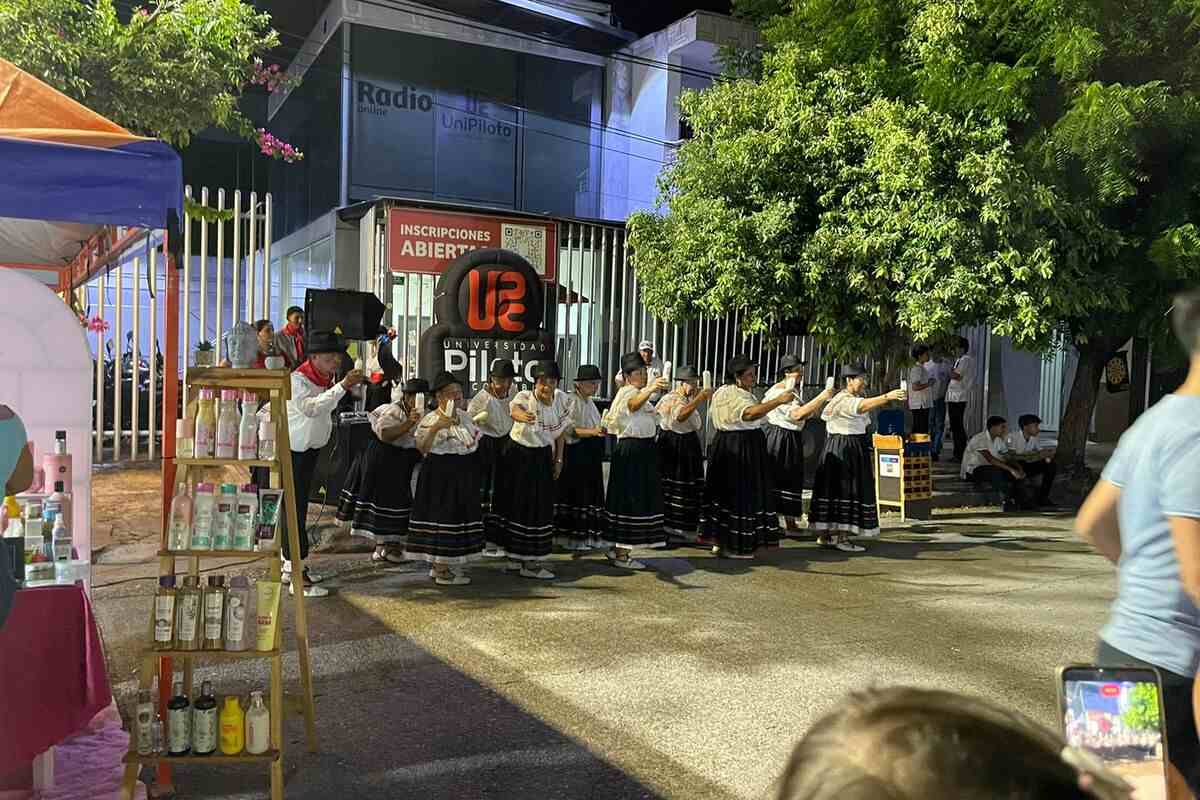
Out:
{"x": 647, "y": 16}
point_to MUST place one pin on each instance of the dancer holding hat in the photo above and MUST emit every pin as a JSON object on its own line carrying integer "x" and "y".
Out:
{"x": 579, "y": 497}
{"x": 739, "y": 489}
{"x": 377, "y": 498}
{"x": 489, "y": 410}
{"x": 843, "y": 503}
{"x": 634, "y": 507}
{"x": 446, "y": 527}
{"x": 785, "y": 439}
{"x": 680, "y": 459}
{"x": 522, "y": 521}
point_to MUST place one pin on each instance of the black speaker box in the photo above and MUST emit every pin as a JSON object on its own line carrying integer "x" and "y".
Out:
{"x": 357, "y": 314}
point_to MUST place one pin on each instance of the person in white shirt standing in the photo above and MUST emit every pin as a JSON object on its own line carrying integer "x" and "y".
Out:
{"x": 962, "y": 382}
{"x": 680, "y": 455}
{"x": 489, "y": 410}
{"x": 939, "y": 374}
{"x": 579, "y": 495}
{"x": 785, "y": 439}
{"x": 310, "y": 424}
{"x": 920, "y": 389}
{"x": 987, "y": 461}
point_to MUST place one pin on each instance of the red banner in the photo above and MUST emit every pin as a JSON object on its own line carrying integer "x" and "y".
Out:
{"x": 426, "y": 241}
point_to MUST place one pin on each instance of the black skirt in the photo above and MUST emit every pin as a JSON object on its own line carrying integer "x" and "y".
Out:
{"x": 446, "y": 526}
{"x": 785, "y": 448}
{"x": 579, "y": 498}
{"x": 377, "y": 497}
{"x": 522, "y": 519}
{"x": 681, "y": 465}
{"x": 634, "y": 508}
{"x": 488, "y": 457}
{"x": 739, "y": 493}
{"x": 844, "y": 490}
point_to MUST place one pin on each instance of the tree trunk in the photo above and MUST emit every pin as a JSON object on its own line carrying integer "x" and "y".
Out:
{"x": 1081, "y": 403}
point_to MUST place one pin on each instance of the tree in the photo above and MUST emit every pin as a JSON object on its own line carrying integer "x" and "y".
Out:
{"x": 1142, "y": 713}
{"x": 894, "y": 169}
{"x": 165, "y": 70}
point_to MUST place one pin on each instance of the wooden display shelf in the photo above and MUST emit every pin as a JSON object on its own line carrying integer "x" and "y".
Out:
{"x": 226, "y": 462}
{"x": 133, "y": 757}
{"x": 230, "y": 378}
{"x": 215, "y": 655}
{"x": 219, "y": 553}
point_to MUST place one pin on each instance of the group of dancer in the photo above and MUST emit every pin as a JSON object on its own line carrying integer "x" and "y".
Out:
{"x": 511, "y": 475}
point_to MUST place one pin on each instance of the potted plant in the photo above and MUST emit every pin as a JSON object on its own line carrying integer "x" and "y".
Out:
{"x": 204, "y": 353}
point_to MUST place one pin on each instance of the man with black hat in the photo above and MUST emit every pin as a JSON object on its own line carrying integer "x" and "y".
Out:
{"x": 310, "y": 424}
{"x": 680, "y": 457}
{"x": 579, "y": 496}
{"x": 489, "y": 409}
{"x": 785, "y": 439}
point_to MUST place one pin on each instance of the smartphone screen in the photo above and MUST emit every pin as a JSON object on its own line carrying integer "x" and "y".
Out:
{"x": 1117, "y": 715}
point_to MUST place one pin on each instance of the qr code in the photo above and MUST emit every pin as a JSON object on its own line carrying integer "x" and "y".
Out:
{"x": 527, "y": 241}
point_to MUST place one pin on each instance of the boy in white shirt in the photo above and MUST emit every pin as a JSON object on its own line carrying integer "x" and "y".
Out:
{"x": 986, "y": 460}
{"x": 962, "y": 382}
{"x": 939, "y": 374}
{"x": 920, "y": 389}
{"x": 1026, "y": 448}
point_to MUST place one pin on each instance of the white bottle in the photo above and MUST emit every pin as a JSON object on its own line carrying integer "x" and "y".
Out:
{"x": 667, "y": 372}
{"x": 205, "y": 507}
{"x": 248, "y": 429}
{"x": 227, "y": 425}
{"x": 181, "y": 520}
{"x": 266, "y": 436}
{"x": 258, "y": 725}
{"x": 707, "y": 379}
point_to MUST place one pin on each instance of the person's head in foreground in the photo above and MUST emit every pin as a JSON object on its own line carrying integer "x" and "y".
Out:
{"x": 919, "y": 744}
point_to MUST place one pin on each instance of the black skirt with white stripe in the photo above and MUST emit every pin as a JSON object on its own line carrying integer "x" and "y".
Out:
{"x": 785, "y": 447}
{"x": 377, "y": 497}
{"x": 522, "y": 518}
{"x": 488, "y": 456}
{"x": 681, "y": 464}
{"x": 634, "y": 508}
{"x": 446, "y": 525}
{"x": 844, "y": 489}
{"x": 579, "y": 497}
{"x": 739, "y": 493}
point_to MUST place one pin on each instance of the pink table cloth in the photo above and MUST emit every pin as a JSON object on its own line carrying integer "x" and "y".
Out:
{"x": 52, "y": 674}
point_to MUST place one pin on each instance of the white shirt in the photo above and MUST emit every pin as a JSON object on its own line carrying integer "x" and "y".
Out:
{"x": 310, "y": 413}
{"x": 552, "y": 420}
{"x": 1018, "y": 444}
{"x": 959, "y": 390}
{"x": 973, "y": 459}
{"x": 584, "y": 414}
{"x": 498, "y": 421}
{"x": 919, "y": 398}
{"x": 779, "y": 417}
{"x": 640, "y": 424}
{"x": 729, "y": 404}
{"x": 668, "y": 414}
{"x": 392, "y": 415}
{"x": 457, "y": 440}
{"x": 939, "y": 373}
{"x": 842, "y": 415}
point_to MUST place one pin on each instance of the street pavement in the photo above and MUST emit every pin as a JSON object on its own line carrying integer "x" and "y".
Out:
{"x": 693, "y": 679}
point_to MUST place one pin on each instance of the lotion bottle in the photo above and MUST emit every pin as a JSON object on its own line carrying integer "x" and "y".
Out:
{"x": 258, "y": 725}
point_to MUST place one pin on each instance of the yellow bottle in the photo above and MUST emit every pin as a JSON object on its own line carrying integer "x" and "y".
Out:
{"x": 233, "y": 727}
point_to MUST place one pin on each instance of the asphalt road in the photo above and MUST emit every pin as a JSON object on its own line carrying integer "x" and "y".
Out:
{"x": 691, "y": 680}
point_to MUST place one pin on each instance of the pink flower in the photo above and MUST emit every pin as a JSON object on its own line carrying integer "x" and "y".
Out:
{"x": 97, "y": 325}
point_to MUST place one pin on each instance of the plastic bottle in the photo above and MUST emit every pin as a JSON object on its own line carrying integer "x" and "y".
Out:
{"x": 246, "y": 518}
{"x": 266, "y": 436}
{"x": 206, "y": 425}
{"x": 203, "y": 509}
{"x": 179, "y": 722}
{"x": 188, "y": 615}
{"x": 258, "y": 725}
{"x": 181, "y": 520}
{"x": 204, "y": 721}
{"x": 60, "y": 537}
{"x": 223, "y": 517}
{"x": 164, "y": 613}
{"x": 144, "y": 734}
{"x": 214, "y": 613}
{"x": 248, "y": 428}
{"x": 227, "y": 425}
{"x": 9, "y": 511}
{"x": 185, "y": 445}
{"x": 60, "y": 501}
{"x": 237, "y": 613}
{"x": 233, "y": 727}
{"x": 57, "y": 465}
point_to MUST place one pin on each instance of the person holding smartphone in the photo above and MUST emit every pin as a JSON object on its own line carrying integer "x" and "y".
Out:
{"x": 680, "y": 453}
{"x": 1144, "y": 516}
{"x": 785, "y": 439}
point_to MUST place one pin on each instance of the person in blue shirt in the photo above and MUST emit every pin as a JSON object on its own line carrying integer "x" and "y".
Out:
{"x": 1144, "y": 516}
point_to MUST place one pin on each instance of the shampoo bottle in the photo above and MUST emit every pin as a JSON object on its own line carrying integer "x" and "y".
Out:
{"x": 204, "y": 507}
{"x": 233, "y": 727}
{"x": 164, "y": 613}
{"x": 248, "y": 428}
{"x": 188, "y": 615}
{"x": 206, "y": 425}
{"x": 214, "y": 613}
{"x": 258, "y": 725}
{"x": 227, "y": 425}
{"x": 223, "y": 517}
{"x": 179, "y": 723}
{"x": 57, "y": 465}
{"x": 144, "y": 735}
{"x": 237, "y": 613}
{"x": 204, "y": 722}
{"x": 180, "y": 537}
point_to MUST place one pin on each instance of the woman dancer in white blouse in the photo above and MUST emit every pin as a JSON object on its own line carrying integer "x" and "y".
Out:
{"x": 489, "y": 410}
{"x": 785, "y": 439}
{"x": 680, "y": 458}
{"x": 446, "y": 528}
{"x": 843, "y": 503}
{"x": 579, "y": 496}
{"x": 523, "y": 507}
{"x": 634, "y": 506}
{"x": 739, "y": 489}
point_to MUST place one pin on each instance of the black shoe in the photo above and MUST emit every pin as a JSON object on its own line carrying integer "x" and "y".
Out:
{"x": 1010, "y": 507}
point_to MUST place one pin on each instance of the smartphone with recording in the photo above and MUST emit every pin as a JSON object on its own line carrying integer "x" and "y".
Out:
{"x": 1116, "y": 714}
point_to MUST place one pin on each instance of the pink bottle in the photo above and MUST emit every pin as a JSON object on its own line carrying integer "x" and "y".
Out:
{"x": 227, "y": 425}
{"x": 57, "y": 465}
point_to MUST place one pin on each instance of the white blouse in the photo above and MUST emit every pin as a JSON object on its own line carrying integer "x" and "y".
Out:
{"x": 668, "y": 414}
{"x": 498, "y": 422}
{"x": 392, "y": 415}
{"x": 457, "y": 440}
{"x": 729, "y": 403}
{"x": 552, "y": 420}
{"x": 584, "y": 414}
{"x": 640, "y": 424}
{"x": 779, "y": 416}
{"x": 842, "y": 416}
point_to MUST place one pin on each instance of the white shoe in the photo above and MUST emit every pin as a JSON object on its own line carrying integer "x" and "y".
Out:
{"x": 383, "y": 557}
{"x": 310, "y": 591}
{"x": 849, "y": 547}
{"x": 494, "y": 552}
{"x": 541, "y": 574}
{"x": 451, "y": 579}
{"x": 624, "y": 563}
{"x": 313, "y": 576}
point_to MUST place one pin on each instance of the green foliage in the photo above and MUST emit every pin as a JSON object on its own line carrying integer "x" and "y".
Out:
{"x": 168, "y": 70}
{"x": 1142, "y": 713}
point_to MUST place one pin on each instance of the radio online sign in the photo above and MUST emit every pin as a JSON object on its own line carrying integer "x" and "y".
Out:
{"x": 472, "y": 118}
{"x": 427, "y": 241}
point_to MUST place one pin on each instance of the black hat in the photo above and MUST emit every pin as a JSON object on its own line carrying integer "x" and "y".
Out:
{"x": 686, "y": 373}
{"x": 737, "y": 365}
{"x": 547, "y": 369}
{"x": 502, "y": 368}
{"x": 324, "y": 342}
{"x": 588, "y": 372}
{"x": 632, "y": 362}
{"x": 442, "y": 380}
{"x": 414, "y": 385}
{"x": 790, "y": 362}
{"x": 853, "y": 371}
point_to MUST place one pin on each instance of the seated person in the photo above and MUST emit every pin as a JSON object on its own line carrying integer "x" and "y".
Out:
{"x": 1025, "y": 447}
{"x": 987, "y": 460}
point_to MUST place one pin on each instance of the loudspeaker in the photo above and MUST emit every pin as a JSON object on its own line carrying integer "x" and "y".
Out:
{"x": 357, "y": 314}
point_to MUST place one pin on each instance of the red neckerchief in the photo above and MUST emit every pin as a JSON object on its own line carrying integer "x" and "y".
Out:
{"x": 309, "y": 371}
{"x": 297, "y": 334}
